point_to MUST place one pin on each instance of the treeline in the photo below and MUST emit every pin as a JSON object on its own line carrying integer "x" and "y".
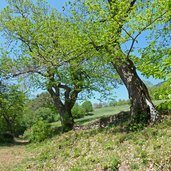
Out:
{"x": 111, "y": 103}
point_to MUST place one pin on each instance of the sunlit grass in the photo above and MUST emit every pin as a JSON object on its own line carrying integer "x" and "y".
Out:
{"x": 98, "y": 149}
{"x": 102, "y": 149}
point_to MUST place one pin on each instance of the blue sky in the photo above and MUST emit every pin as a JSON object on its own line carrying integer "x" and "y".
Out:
{"x": 121, "y": 92}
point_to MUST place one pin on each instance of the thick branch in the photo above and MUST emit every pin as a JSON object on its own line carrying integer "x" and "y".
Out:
{"x": 27, "y": 71}
{"x": 56, "y": 97}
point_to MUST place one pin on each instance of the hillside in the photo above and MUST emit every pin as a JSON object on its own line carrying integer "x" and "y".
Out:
{"x": 100, "y": 149}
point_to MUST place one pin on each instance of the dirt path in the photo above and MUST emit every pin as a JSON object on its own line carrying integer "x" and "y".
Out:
{"x": 11, "y": 155}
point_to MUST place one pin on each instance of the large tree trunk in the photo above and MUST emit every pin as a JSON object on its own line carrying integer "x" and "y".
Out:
{"x": 64, "y": 110}
{"x": 66, "y": 118}
{"x": 141, "y": 104}
{"x": 70, "y": 95}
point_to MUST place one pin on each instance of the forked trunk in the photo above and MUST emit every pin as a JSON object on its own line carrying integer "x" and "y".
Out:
{"x": 141, "y": 104}
{"x": 64, "y": 110}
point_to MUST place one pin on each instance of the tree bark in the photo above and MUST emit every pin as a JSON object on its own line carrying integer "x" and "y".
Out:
{"x": 66, "y": 118}
{"x": 141, "y": 104}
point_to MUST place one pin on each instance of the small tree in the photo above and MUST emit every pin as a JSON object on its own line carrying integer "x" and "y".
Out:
{"x": 38, "y": 132}
{"x": 87, "y": 106}
{"x": 78, "y": 111}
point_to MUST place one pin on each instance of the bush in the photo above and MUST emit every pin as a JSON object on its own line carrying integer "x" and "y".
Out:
{"x": 138, "y": 122}
{"x": 164, "y": 106}
{"x": 87, "y": 106}
{"x": 31, "y": 117}
{"x": 161, "y": 91}
{"x": 78, "y": 111}
{"x": 45, "y": 114}
{"x": 38, "y": 132}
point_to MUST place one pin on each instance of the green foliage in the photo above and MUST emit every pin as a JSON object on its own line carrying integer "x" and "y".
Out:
{"x": 52, "y": 52}
{"x": 78, "y": 111}
{"x": 38, "y": 132}
{"x": 11, "y": 108}
{"x": 133, "y": 126}
{"x": 30, "y": 117}
{"x": 164, "y": 106}
{"x": 75, "y": 169}
{"x": 42, "y": 100}
{"x": 112, "y": 164}
{"x": 39, "y": 108}
{"x": 162, "y": 91}
{"x": 45, "y": 114}
{"x": 87, "y": 106}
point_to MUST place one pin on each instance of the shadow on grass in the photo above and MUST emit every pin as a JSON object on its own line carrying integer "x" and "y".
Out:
{"x": 89, "y": 114}
{"x": 13, "y": 144}
{"x": 8, "y": 139}
{"x": 82, "y": 121}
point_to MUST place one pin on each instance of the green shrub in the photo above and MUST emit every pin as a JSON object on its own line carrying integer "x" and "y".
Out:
{"x": 46, "y": 114}
{"x": 38, "y": 132}
{"x": 114, "y": 164}
{"x": 78, "y": 111}
{"x": 162, "y": 91}
{"x": 87, "y": 106}
{"x": 164, "y": 106}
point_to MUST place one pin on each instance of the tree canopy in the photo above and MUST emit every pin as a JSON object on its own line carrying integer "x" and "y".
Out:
{"x": 46, "y": 48}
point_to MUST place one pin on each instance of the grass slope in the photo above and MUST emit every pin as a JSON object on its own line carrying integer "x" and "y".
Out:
{"x": 102, "y": 149}
{"x": 101, "y": 112}
{"x": 95, "y": 149}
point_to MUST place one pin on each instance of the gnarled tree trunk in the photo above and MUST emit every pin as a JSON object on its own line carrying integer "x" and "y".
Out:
{"x": 64, "y": 109}
{"x": 70, "y": 95}
{"x": 66, "y": 118}
{"x": 140, "y": 100}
